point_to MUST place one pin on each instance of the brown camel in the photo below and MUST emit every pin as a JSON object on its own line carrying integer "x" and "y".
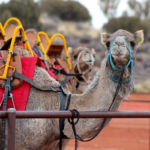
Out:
{"x": 82, "y": 61}
{"x": 39, "y": 134}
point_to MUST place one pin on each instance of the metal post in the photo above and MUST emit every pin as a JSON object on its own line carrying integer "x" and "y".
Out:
{"x": 11, "y": 128}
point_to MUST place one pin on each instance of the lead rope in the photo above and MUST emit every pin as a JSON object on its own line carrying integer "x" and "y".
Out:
{"x": 74, "y": 112}
{"x": 73, "y": 123}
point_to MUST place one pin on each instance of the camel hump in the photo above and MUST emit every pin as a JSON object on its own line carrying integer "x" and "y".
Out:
{"x": 42, "y": 79}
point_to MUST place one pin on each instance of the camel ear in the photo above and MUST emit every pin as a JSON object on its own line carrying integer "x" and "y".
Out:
{"x": 104, "y": 37}
{"x": 139, "y": 36}
{"x": 70, "y": 51}
{"x": 93, "y": 51}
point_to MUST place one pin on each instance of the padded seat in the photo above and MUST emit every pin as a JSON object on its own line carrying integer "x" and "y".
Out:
{"x": 16, "y": 63}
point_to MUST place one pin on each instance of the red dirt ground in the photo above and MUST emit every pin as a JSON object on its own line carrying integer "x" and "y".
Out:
{"x": 122, "y": 134}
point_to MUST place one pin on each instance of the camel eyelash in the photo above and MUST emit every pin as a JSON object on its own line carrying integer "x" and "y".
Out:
{"x": 108, "y": 44}
{"x": 75, "y": 56}
{"x": 132, "y": 44}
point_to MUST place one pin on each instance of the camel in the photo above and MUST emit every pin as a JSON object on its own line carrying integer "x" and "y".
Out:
{"x": 39, "y": 134}
{"x": 84, "y": 64}
{"x": 82, "y": 61}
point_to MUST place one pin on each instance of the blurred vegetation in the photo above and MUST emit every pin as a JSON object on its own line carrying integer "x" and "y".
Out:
{"x": 109, "y": 7}
{"x": 139, "y": 21}
{"x": 131, "y": 24}
{"x": 27, "y": 11}
{"x": 141, "y": 9}
{"x": 66, "y": 10}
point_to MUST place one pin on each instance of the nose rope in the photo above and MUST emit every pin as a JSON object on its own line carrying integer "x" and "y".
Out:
{"x": 76, "y": 64}
{"x": 117, "y": 70}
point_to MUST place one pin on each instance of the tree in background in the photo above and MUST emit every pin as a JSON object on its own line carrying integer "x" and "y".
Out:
{"x": 66, "y": 10}
{"x": 131, "y": 24}
{"x": 6, "y": 14}
{"x": 27, "y": 11}
{"x": 141, "y": 9}
{"x": 109, "y": 7}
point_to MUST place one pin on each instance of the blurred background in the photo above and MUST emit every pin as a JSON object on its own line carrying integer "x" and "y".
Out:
{"x": 81, "y": 22}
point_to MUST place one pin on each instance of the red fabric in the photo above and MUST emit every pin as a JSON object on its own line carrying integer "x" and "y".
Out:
{"x": 21, "y": 94}
{"x": 41, "y": 64}
{"x": 51, "y": 71}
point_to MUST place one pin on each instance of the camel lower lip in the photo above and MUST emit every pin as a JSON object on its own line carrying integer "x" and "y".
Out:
{"x": 89, "y": 62}
{"x": 118, "y": 57}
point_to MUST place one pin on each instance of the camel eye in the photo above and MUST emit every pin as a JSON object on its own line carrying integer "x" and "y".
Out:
{"x": 75, "y": 56}
{"x": 132, "y": 44}
{"x": 108, "y": 44}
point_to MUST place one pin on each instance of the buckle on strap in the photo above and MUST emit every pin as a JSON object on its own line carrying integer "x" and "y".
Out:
{"x": 11, "y": 97}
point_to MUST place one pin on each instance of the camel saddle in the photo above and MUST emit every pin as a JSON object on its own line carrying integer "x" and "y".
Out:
{"x": 15, "y": 62}
{"x": 9, "y": 31}
{"x": 55, "y": 56}
{"x": 32, "y": 36}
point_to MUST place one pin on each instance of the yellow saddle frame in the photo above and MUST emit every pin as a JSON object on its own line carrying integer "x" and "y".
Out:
{"x": 50, "y": 43}
{"x": 3, "y": 32}
{"x": 25, "y": 40}
{"x": 45, "y": 35}
{"x": 10, "y": 50}
{"x": 42, "y": 49}
{"x": 12, "y": 19}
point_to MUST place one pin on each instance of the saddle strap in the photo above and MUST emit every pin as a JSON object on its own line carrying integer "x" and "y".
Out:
{"x": 65, "y": 81}
{"x": 5, "y": 98}
{"x": 64, "y": 73}
{"x": 22, "y": 77}
{"x": 62, "y": 120}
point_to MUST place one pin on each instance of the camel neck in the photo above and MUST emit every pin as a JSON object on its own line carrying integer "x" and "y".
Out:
{"x": 97, "y": 97}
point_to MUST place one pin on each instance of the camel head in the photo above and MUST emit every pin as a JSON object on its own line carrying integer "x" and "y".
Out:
{"x": 82, "y": 58}
{"x": 121, "y": 50}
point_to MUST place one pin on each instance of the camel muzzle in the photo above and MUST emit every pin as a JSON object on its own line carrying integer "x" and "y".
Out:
{"x": 116, "y": 70}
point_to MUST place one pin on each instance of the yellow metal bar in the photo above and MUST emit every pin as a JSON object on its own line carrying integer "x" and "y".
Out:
{"x": 11, "y": 49}
{"x": 3, "y": 32}
{"x": 42, "y": 48}
{"x": 45, "y": 35}
{"x": 65, "y": 47}
{"x": 12, "y": 19}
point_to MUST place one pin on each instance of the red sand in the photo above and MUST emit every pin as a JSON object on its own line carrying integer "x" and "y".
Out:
{"x": 122, "y": 134}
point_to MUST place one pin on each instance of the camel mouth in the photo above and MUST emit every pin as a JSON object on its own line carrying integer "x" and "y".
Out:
{"x": 120, "y": 64}
{"x": 90, "y": 63}
{"x": 118, "y": 57}
{"x": 119, "y": 61}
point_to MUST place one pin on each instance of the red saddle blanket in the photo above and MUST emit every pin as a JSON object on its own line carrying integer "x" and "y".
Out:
{"x": 20, "y": 95}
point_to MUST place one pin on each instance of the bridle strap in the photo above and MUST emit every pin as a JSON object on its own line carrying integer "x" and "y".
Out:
{"x": 76, "y": 64}
{"x": 117, "y": 71}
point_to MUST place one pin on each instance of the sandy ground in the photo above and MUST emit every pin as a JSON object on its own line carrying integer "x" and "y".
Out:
{"x": 122, "y": 134}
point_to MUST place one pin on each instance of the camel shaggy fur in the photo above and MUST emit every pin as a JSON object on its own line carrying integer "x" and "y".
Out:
{"x": 39, "y": 134}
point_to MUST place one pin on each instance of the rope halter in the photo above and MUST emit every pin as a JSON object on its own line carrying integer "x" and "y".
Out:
{"x": 77, "y": 64}
{"x": 117, "y": 70}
